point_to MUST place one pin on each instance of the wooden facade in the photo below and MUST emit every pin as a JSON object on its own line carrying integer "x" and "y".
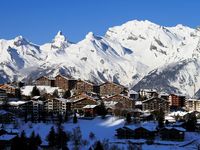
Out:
{"x": 155, "y": 103}
{"x": 127, "y": 103}
{"x": 8, "y": 88}
{"x": 78, "y": 104}
{"x": 137, "y": 133}
{"x": 83, "y": 87}
{"x": 109, "y": 88}
{"x": 172, "y": 134}
{"x": 46, "y": 81}
{"x": 64, "y": 82}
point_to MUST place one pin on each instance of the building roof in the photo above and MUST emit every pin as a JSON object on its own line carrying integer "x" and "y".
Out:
{"x": 7, "y": 137}
{"x": 90, "y": 106}
{"x": 138, "y": 102}
{"x": 64, "y": 100}
{"x": 175, "y": 128}
{"x": 154, "y": 98}
{"x": 111, "y": 83}
{"x": 17, "y": 103}
{"x": 133, "y": 92}
{"x": 4, "y": 112}
{"x": 35, "y": 97}
{"x": 110, "y": 104}
{"x": 150, "y": 126}
{"x": 47, "y": 77}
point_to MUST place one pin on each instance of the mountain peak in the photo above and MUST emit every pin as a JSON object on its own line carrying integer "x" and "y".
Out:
{"x": 90, "y": 35}
{"x": 20, "y": 40}
{"x": 59, "y": 37}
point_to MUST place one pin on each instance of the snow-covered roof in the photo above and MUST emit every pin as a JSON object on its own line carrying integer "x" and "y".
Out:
{"x": 90, "y": 106}
{"x": 138, "y": 102}
{"x": 176, "y": 128}
{"x": 7, "y": 137}
{"x": 65, "y": 100}
{"x": 132, "y": 92}
{"x": 17, "y": 103}
{"x": 178, "y": 113}
{"x": 148, "y": 90}
{"x": 35, "y": 97}
{"x": 192, "y": 99}
{"x": 3, "y": 112}
{"x": 8, "y": 130}
{"x": 170, "y": 118}
{"x": 163, "y": 94}
{"x": 150, "y": 126}
{"x": 110, "y": 104}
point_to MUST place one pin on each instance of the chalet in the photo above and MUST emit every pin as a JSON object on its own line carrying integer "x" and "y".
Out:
{"x": 64, "y": 83}
{"x": 45, "y": 81}
{"x": 11, "y": 90}
{"x": 143, "y": 131}
{"x": 79, "y": 104}
{"x": 177, "y": 101}
{"x": 6, "y": 140}
{"x": 192, "y": 105}
{"x": 83, "y": 87}
{"x": 109, "y": 88}
{"x": 133, "y": 94}
{"x": 147, "y": 93}
{"x": 113, "y": 107}
{"x": 6, "y": 117}
{"x": 172, "y": 133}
{"x": 124, "y": 133}
{"x": 3, "y": 96}
{"x": 155, "y": 103}
{"x": 90, "y": 110}
{"x": 164, "y": 95}
{"x": 127, "y": 103}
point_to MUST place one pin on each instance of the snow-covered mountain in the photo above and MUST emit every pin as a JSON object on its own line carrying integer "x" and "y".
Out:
{"x": 138, "y": 53}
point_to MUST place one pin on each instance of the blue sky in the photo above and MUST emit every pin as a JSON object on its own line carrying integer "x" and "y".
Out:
{"x": 39, "y": 20}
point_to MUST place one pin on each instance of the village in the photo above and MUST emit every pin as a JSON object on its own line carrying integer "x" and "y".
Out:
{"x": 147, "y": 116}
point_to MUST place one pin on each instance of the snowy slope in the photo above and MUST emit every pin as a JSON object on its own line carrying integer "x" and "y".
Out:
{"x": 126, "y": 54}
{"x": 182, "y": 77}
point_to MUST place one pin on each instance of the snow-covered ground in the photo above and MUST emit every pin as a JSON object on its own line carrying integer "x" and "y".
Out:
{"x": 26, "y": 90}
{"x": 105, "y": 129}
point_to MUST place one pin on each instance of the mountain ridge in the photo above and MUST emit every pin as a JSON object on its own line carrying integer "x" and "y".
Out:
{"x": 126, "y": 54}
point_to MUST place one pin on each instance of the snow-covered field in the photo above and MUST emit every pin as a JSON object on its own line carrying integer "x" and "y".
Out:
{"x": 105, "y": 129}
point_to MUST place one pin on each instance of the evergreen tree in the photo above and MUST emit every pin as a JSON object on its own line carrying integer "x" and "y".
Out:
{"x": 102, "y": 110}
{"x": 62, "y": 138}
{"x": 60, "y": 119}
{"x": 15, "y": 145}
{"x": 23, "y": 141}
{"x": 67, "y": 94}
{"x": 55, "y": 93}
{"x": 38, "y": 140}
{"x": 128, "y": 118}
{"x": 75, "y": 119}
{"x": 32, "y": 142}
{"x": 35, "y": 91}
{"x": 77, "y": 137}
{"x": 98, "y": 146}
{"x": 51, "y": 138}
{"x": 161, "y": 118}
{"x": 191, "y": 122}
{"x": 66, "y": 115}
{"x": 18, "y": 93}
